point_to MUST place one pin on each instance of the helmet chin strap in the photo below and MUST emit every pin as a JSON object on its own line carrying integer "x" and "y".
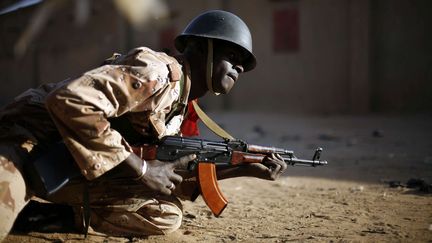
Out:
{"x": 209, "y": 75}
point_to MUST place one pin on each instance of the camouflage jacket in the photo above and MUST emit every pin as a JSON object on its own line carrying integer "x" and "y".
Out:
{"x": 143, "y": 87}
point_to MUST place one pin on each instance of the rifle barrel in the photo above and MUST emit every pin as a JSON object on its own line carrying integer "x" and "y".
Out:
{"x": 304, "y": 162}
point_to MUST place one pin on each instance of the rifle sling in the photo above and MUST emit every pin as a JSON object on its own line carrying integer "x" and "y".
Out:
{"x": 210, "y": 124}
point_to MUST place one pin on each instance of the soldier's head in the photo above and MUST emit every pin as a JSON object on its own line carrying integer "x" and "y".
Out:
{"x": 220, "y": 46}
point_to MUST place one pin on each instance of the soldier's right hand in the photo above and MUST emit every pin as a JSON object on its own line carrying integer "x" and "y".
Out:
{"x": 161, "y": 177}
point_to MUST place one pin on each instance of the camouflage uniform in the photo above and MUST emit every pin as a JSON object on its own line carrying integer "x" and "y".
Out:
{"x": 142, "y": 87}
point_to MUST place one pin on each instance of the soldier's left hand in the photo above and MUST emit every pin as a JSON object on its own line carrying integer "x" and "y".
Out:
{"x": 270, "y": 169}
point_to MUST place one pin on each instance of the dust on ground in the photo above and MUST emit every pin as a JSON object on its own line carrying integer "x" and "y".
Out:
{"x": 363, "y": 195}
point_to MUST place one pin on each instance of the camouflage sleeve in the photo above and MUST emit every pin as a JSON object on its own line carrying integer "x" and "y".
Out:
{"x": 81, "y": 108}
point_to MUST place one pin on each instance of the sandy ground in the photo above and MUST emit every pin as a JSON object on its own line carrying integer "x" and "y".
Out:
{"x": 350, "y": 200}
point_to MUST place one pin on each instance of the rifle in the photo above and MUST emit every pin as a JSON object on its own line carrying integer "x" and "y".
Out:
{"x": 209, "y": 154}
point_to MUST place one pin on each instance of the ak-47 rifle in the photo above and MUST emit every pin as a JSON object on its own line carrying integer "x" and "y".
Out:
{"x": 209, "y": 154}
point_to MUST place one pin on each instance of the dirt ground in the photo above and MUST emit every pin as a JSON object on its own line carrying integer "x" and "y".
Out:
{"x": 361, "y": 196}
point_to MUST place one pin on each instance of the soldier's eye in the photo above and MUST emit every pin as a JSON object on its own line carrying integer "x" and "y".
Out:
{"x": 232, "y": 56}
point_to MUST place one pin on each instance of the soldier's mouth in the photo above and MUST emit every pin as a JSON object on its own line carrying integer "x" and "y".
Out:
{"x": 233, "y": 77}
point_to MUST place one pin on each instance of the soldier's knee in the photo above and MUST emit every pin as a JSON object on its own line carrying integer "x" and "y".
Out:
{"x": 140, "y": 218}
{"x": 167, "y": 216}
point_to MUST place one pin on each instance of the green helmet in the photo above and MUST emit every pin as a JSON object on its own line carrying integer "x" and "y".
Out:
{"x": 222, "y": 25}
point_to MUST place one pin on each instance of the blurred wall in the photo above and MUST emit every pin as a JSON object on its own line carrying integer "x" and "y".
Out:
{"x": 402, "y": 55}
{"x": 352, "y": 56}
{"x": 313, "y": 78}
{"x": 62, "y": 48}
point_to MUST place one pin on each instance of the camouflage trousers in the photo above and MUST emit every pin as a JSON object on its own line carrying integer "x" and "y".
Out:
{"x": 13, "y": 191}
{"x": 122, "y": 207}
{"x": 117, "y": 207}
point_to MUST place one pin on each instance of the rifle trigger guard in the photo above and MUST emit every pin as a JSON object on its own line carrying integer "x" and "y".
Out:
{"x": 192, "y": 164}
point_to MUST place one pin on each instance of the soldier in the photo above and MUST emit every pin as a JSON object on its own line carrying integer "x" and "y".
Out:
{"x": 99, "y": 114}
